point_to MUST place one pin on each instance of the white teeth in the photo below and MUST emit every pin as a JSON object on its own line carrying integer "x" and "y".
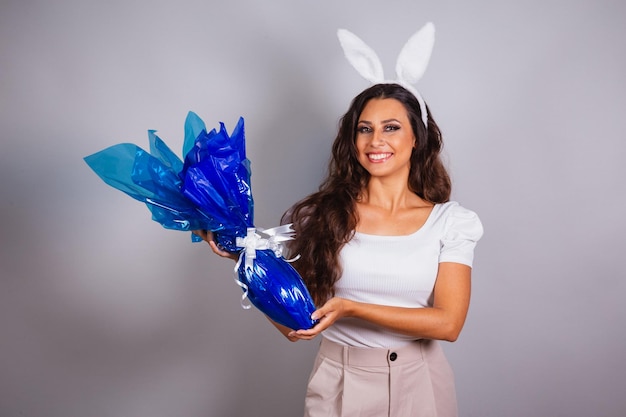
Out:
{"x": 378, "y": 156}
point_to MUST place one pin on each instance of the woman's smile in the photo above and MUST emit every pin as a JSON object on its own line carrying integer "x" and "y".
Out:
{"x": 379, "y": 157}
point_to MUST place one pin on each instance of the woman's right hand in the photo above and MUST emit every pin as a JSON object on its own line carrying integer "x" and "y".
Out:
{"x": 207, "y": 236}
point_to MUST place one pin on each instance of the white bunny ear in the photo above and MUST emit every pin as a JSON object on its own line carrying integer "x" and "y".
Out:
{"x": 414, "y": 56}
{"x": 362, "y": 57}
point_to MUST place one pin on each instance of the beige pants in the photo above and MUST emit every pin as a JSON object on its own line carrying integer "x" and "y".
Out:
{"x": 411, "y": 381}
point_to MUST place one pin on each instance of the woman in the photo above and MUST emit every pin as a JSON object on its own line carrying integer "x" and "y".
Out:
{"x": 388, "y": 259}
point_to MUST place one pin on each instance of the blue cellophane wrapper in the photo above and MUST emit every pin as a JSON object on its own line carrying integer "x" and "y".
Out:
{"x": 210, "y": 190}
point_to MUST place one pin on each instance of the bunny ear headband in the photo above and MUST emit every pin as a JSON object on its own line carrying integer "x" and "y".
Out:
{"x": 410, "y": 66}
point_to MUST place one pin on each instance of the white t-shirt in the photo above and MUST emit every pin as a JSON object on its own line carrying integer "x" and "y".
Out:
{"x": 401, "y": 270}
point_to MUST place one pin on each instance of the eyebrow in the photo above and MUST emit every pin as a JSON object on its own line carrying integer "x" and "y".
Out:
{"x": 382, "y": 122}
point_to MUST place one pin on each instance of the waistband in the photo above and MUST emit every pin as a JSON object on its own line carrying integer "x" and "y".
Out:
{"x": 361, "y": 356}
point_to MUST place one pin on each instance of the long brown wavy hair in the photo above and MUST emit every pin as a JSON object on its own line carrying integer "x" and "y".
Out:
{"x": 327, "y": 219}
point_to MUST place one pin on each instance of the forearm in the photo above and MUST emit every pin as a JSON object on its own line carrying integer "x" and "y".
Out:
{"x": 286, "y": 331}
{"x": 443, "y": 321}
{"x": 429, "y": 323}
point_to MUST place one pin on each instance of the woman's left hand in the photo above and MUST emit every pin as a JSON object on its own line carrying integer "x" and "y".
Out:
{"x": 330, "y": 312}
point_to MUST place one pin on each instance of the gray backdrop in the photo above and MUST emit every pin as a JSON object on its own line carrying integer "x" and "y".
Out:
{"x": 104, "y": 313}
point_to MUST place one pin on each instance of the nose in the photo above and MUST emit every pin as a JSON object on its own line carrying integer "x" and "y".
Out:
{"x": 377, "y": 139}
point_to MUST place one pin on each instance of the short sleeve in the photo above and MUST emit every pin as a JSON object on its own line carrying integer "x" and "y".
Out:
{"x": 462, "y": 231}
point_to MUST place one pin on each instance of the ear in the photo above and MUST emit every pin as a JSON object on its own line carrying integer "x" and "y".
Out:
{"x": 414, "y": 56}
{"x": 362, "y": 57}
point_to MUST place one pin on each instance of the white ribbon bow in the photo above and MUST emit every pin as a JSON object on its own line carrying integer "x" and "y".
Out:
{"x": 261, "y": 239}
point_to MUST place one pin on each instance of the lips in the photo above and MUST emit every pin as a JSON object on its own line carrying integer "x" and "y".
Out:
{"x": 379, "y": 156}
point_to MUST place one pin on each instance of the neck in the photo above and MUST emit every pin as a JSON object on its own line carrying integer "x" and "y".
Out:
{"x": 389, "y": 195}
